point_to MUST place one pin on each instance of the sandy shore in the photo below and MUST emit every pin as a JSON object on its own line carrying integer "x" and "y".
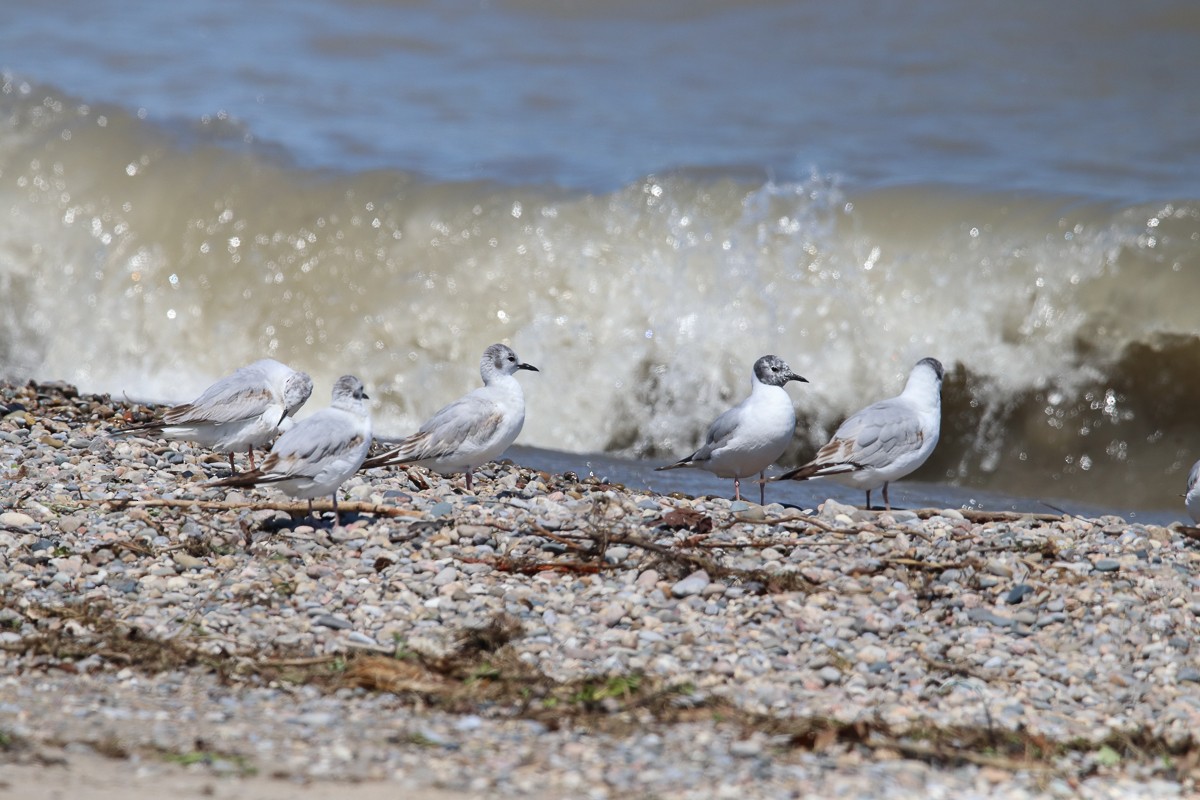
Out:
{"x": 95, "y": 777}
{"x": 551, "y": 637}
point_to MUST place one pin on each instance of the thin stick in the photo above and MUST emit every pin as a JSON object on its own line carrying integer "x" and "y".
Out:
{"x": 973, "y": 515}
{"x": 225, "y": 505}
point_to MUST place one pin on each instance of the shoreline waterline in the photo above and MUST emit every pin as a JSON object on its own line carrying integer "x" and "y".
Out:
{"x": 640, "y": 475}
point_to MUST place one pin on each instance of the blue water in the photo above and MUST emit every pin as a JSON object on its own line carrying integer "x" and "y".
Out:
{"x": 1092, "y": 99}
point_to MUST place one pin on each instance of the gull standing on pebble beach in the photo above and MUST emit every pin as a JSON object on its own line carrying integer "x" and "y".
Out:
{"x": 752, "y": 435}
{"x": 885, "y": 441}
{"x": 242, "y": 410}
{"x": 472, "y": 430}
{"x": 316, "y": 455}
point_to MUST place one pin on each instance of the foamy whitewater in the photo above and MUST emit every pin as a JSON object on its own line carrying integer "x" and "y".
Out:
{"x": 640, "y": 202}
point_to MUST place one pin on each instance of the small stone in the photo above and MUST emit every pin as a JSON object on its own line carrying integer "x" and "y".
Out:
{"x": 330, "y": 621}
{"x": 445, "y": 576}
{"x": 470, "y": 722}
{"x": 989, "y": 616}
{"x": 872, "y": 654}
{"x": 692, "y": 584}
{"x": 999, "y": 568}
{"x": 1107, "y": 565}
{"x": 1026, "y": 617}
{"x": 832, "y": 509}
{"x": 746, "y": 748}
{"x": 615, "y": 555}
{"x": 453, "y": 589}
{"x": 71, "y": 523}
{"x": 647, "y": 580}
{"x": 829, "y": 674}
{"x": 15, "y": 519}
{"x": 1018, "y": 593}
{"x": 188, "y": 561}
{"x": 611, "y": 614}
{"x": 754, "y": 513}
{"x": 317, "y": 719}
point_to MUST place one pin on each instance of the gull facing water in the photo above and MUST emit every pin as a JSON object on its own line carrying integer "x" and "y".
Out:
{"x": 752, "y": 435}
{"x": 243, "y": 410}
{"x": 885, "y": 441}
{"x": 317, "y": 454}
{"x": 472, "y": 430}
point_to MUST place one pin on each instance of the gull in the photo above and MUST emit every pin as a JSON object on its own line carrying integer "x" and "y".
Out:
{"x": 472, "y": 430}
{"x": 885, "y": 441}
{"x": 242, "y": 410}
{"x": 749, "y": 437}
{"x": 317, "y": 454}
{"x": 1192, "y": 498}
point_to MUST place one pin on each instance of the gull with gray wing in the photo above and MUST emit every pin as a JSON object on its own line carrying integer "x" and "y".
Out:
{"x": 245, "y": 409}
{"x": 752, "y": 435}
{"x": 884, "y": 441}
{"x": 476, "y": 428}
{"x": 316, "y": 455}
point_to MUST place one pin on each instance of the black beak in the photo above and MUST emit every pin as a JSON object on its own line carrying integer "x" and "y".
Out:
{"x": 794, "y": 377}
{"x": 529, "y": 367}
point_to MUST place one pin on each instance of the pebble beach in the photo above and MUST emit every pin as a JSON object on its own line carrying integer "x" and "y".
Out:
{"x": 557, "y": 636}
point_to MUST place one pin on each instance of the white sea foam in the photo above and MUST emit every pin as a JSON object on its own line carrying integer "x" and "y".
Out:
{"x": 1044, "y": 310}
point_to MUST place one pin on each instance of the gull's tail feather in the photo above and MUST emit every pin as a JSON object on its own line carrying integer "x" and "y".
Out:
{"x": 385, "y": 459}
{"x": 818, "y": 471}
{"x": 150, "y": 429}
{"x": 690, "y": 461}
{"x": 253, "y": 477}
{"x": 249, "y": 478}
{"x": 409, "y": 450}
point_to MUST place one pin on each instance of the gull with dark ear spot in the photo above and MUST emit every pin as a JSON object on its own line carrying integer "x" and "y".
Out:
{"x": 885, "y": 441}
{"x": 475, "y": 428}
{"x": 752, "y": 435}
{"x": 317, "y": 454}
{"x": 243, "y": 410}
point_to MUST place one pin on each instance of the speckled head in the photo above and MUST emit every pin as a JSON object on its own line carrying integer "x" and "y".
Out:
{"x": 349, "y": 387}
{"x": 774, "y": 371}
{"x": 500, "y": 359}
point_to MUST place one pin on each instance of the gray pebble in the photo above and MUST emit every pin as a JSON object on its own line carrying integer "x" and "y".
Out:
{"x": 692, "y": 584}
{"x": 1018, "y": 593}
{"x": 990, "y": 617}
